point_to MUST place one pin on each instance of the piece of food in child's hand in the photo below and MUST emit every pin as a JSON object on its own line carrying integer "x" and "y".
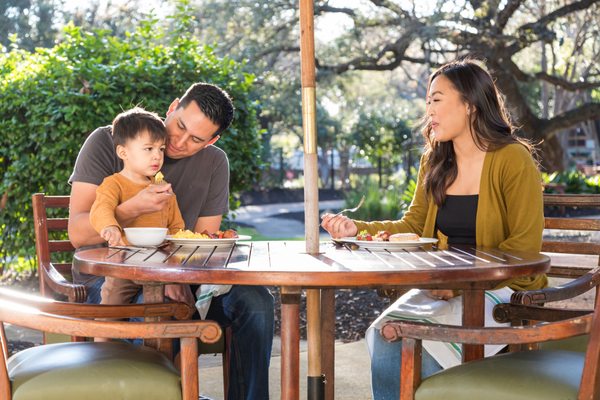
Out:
{"x": 159, "y": 178}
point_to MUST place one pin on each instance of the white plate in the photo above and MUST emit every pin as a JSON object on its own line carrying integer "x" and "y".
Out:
{"x": 206, "y": 242}
{"x": 387, "y": 245}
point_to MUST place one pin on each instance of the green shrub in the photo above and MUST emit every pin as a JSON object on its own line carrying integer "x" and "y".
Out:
{"x": 571, "y": 182}
{"x": 53, "y": 98}
{"x": 380, "y": 203}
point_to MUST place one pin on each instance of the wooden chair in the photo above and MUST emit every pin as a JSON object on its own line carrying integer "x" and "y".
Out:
{"x": 50, "y": 215}
{"x": 51, "y": 239}
{"x": 569, "y": 256}
{"x": 93, "y": 370}
{"x": 541, "y": 374}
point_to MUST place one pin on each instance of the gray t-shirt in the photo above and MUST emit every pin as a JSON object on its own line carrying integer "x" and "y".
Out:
{"x": 201, "y": 182}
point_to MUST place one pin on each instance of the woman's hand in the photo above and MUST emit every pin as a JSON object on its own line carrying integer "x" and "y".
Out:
{"x": 338, "y": 227}
{"x": 441, "y": 294}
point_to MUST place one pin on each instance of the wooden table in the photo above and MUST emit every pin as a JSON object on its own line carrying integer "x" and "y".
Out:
{"x": 285, "y": 264}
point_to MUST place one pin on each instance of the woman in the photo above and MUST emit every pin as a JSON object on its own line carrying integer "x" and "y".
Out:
{"x": 478, "y": 184}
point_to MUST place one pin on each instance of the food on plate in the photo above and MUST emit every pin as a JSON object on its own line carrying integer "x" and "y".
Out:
{"x": 364, "y": 235}
{"x": 381, "y": 236}
{"x": 403, "y": 237}
{"x": 159, "y": 178}
{"x": 187, "y": 234}
{"x": 385, "y": 236}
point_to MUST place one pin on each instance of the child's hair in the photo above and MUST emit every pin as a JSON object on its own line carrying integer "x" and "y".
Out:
{"x": 131, "y": 123}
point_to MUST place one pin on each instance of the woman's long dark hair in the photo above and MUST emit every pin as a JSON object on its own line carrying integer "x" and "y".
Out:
{"x": 491, "y": 128}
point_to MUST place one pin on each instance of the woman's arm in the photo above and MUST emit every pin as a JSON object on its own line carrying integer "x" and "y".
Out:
{"x": 521, "y": 185}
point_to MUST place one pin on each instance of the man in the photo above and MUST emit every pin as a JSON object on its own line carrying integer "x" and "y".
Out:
{"x": 199, "y": 175}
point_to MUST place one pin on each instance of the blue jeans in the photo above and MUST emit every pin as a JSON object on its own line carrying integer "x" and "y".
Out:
{"x": 249, "y": 310}
{"x": 385, "y": 368}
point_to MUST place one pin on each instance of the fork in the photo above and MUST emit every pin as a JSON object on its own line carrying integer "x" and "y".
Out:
{"x": 345, "y": 210}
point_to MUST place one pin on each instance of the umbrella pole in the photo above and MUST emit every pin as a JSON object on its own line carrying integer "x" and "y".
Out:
{"x": 316, "y": 380}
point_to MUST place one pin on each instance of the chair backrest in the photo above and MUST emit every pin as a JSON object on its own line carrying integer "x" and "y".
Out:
{"x": 51, "y": 238}
{"x": 560, "y": 210}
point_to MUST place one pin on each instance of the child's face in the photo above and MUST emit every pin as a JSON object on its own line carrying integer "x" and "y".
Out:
{"x": 142, "y": 156}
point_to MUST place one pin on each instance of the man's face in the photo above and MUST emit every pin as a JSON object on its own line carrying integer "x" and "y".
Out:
{"x": 189, "y": 130}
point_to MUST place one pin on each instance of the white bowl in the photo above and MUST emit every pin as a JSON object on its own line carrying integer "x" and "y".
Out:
{"x": 145, "y": 236}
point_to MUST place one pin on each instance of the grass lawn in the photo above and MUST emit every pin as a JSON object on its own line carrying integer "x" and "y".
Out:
{"x": 244, "y": 230}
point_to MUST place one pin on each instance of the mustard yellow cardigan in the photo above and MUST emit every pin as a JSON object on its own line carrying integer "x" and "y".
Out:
{"x": 510, "y": 213}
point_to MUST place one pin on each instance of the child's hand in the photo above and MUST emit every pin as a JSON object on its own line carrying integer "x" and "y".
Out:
{"x": 112, "y": 234}
{"x": 162, "y": 188}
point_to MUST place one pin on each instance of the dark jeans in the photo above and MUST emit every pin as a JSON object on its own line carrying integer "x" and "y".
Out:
{"x": 249, "y": 312}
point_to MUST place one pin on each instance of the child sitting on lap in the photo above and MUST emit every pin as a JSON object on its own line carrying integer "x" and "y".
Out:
{"x": 140, "y": 139}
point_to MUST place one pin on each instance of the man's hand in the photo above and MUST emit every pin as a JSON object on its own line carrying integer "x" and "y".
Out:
{"x": 181, "y": 293}
{"x": 112, "y": 234}
{"x": 338, "y": 227}
{"x": 151, "y": 199}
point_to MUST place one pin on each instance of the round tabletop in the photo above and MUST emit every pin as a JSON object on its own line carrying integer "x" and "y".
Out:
{"x": 287, "y": 264}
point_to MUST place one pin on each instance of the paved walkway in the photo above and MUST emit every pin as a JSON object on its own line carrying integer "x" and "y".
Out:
{"x": 261, "y": 218}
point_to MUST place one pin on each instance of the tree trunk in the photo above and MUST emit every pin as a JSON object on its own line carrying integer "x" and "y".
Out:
{"x": 550, "y": 153}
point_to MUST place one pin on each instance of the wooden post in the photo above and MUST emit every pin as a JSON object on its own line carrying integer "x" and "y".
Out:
{"x": 316, "y": 382}
{"x": 290, "y": 343}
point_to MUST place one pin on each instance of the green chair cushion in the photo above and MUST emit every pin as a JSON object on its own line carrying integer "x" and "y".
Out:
{"x": 93, "y": 371}
{"x": 575, "y": 343}
{"x": 524, "y": 375}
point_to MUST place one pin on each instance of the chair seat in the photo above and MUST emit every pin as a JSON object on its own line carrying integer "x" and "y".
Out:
{"x": 576, "y": 343}
{"x": 93, "y": 371}
{"x": 527, "y": 375}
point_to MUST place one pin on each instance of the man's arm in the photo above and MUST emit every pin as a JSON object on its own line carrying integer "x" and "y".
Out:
{"x": 81, "y": 232}
{"x": 210, "y": 224}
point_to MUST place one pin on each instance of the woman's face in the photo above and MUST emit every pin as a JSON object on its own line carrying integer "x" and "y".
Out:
{"x": 446, "y": 111}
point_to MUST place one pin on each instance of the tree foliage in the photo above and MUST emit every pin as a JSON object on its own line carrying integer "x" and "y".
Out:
{"x": 544, "y": 54}
{"x": 53, "y": 98}
{"x": 512, "y": 36}
{"x": 28, "y": 23}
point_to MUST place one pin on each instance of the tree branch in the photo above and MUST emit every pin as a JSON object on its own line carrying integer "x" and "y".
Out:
{"x": 475, "y": 4}
{"x": 553, "y": 79}
{"x": 506, "y": 13}
{"x": 560, "y": 12}
{"x": 392, "y": 7}
{"x": 276, "y": 49}
{"x": 570, "y": 86}
{"x": 585, "y": 112}
{"x": 320, "y": 9}
{"x": 535, "y": 31}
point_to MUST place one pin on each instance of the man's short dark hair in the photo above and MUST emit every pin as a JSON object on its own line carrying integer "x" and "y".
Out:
{"x": 213, "y": 101}
{"x": 131, "y": 123}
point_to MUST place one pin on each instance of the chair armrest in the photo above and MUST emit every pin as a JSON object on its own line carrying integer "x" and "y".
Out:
{"x": 74, "y": 292}
{"x": 518, "y": 312}
{"x": 32, "y": 318}
{"x": 394, "y": 331}
{"x": 180, "y": 311}
{"x": 558, "y": 293}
